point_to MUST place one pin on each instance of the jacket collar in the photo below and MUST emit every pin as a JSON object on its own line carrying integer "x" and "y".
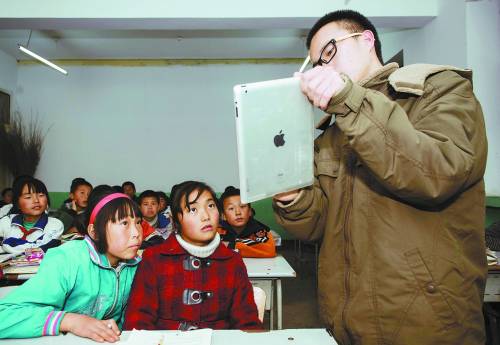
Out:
{"x": 252, "y": 227}
{"x": 39, "y": 225}
{"x": 379, "y": 76}
{"x": 172, "y": 247}
{"x": 101, "y": 259}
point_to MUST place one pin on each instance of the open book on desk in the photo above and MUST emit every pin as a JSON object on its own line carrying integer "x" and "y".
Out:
{"x": 194, "y": 337}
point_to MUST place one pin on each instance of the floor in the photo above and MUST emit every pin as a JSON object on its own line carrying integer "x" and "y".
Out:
{"x": 300, "y": 307}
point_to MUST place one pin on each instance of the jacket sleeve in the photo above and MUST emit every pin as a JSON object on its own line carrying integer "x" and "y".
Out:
{"x": 304, "y": 217}
{"x": 143, "y": 302}
{"x": 244, "y": 314}
{"x": 263, "y": 248}
{"x": 428, "y": 160}
{"x": 35, "y": 308}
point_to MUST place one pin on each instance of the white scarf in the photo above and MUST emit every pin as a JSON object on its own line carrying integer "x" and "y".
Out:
{"x": 199, "y": 251}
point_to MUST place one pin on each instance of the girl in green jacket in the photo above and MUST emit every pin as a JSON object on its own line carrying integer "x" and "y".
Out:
{"x": 81, "y": 287}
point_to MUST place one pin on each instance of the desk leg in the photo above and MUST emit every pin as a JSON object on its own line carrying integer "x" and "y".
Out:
{"x": 271, "y": 306}
{"x": 280, "y": 305}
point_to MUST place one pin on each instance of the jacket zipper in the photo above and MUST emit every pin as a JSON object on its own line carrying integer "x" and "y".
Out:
{"x": 347, "y": 260}
{"x": 117, "y": 290}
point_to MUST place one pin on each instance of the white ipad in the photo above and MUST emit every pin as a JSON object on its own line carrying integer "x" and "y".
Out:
{"x": 275, "y": 135}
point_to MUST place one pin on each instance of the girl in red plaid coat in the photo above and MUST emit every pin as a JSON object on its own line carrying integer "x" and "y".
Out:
{"x": 192, "y": 280}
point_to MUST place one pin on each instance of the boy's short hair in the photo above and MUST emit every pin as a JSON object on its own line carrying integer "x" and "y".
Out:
{"x": 112, "y": 211}
{"x": 228, "y": 192}
{"x": 164, "y": 196}
{"x": 182, "y": 192}
{"x": 128, "y": 183}
{"x": 77, "y": 182}
{"x": 149, "y": 194}
{"x": 118, "y": 189}
{"x": 34, "y": 185}
{"x": 349, "y": 20}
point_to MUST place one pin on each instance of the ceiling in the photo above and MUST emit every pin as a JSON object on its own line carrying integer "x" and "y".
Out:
{"x": 170, "y": 38}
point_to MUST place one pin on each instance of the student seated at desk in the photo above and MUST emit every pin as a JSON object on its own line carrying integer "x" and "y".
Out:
{"x": 241, "y": 230}
{"x": 192, "y": 280}
{"x": 27, "y": 225}
{"x": 6, "y": 197}
{"x": 156, "y": 226}
{"x": 81, "y": 286}
{"x": 75, "y": 205}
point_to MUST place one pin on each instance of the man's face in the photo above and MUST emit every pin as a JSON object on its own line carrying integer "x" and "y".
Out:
{"x": 353, "y": 54}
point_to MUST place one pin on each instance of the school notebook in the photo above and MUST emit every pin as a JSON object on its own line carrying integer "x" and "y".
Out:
{"x": 275, "y": 137}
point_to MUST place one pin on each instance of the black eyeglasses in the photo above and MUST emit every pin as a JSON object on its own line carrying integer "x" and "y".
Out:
{"x": 330, "y": 49}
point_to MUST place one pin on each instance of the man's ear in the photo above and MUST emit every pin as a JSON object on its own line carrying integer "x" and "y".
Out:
{"x": 369, "y": 39}
{"x": 91, "y": 232}
{"x": 72, "y": 196}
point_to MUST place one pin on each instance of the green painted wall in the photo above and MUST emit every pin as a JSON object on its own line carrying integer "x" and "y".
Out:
{"x": 264, "y": 211}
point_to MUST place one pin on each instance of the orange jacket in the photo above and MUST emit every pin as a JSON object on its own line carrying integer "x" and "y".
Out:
{"x": 255, "y": 241}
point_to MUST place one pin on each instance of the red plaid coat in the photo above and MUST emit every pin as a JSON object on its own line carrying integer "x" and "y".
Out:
{"x": 166, "y": 287}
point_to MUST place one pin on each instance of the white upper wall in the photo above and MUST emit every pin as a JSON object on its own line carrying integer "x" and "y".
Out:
{"x": 483, "y": 57}
{"x": 156, "y": 126}
{"x": 442, "y": 41}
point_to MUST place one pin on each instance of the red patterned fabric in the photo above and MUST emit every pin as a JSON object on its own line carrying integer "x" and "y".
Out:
{"x": 156, "y": 297}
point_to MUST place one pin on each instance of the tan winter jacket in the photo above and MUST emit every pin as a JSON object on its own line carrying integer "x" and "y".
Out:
{"x": 398, "y": 202}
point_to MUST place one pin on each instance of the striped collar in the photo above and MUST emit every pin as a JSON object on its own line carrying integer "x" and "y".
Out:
{"x": 39, "y": 225}
{"x": 101, "y": 259}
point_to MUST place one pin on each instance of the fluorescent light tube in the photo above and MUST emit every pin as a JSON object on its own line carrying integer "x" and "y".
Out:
{"x": 45, "y": 61}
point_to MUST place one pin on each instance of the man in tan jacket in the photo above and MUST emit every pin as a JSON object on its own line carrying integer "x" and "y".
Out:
{"x": 398, "y": 198}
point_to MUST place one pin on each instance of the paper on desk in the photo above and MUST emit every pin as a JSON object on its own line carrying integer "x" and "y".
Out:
{"x": 20, "y": 269}
{"x": 195, "y": 337}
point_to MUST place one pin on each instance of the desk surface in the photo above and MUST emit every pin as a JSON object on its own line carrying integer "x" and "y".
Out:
{"x": 283, "y": 337}
{"x": 276, "y": 267}
{"x": 494, "y": 269}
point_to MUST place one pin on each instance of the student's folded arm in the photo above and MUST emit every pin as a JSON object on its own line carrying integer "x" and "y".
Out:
{"x": 254, "y": 249}
{"x": 143, "y": 302}
{"x": 244, "y": 314}
{"x": 305, "y": 216}
{"x": 34, "y": 309}
{"x": 441, "y": 152}
{"x": 53, "y": 232}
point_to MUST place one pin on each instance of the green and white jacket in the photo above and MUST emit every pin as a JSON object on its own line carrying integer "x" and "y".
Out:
{"x": 73, "y": 278}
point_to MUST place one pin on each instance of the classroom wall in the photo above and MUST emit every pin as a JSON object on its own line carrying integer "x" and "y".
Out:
{"x": 8, "y": 73}
{"x": 483, "y": 57}
{"x": 154, "y": 125}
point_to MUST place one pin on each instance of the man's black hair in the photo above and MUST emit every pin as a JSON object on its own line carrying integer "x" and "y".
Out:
{"x": 349, "y": 20}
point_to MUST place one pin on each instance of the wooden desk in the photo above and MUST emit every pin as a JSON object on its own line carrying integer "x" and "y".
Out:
{"x": 267, "y": 273}
{"x": 284, "y": 337}
{"x": 492, "y": 289}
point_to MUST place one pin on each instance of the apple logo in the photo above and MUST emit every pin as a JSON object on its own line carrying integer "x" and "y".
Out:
{"x": 279, "y": 139}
